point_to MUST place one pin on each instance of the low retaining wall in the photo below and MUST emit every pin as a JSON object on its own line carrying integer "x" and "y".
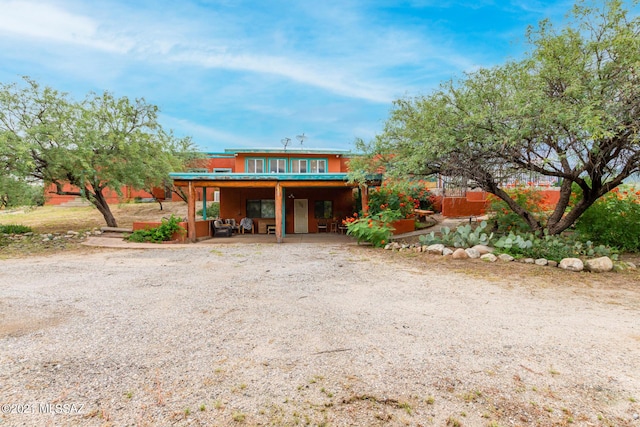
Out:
{"x": 203, "y": 229}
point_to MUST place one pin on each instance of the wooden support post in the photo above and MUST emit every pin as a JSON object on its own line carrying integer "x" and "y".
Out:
{"x": 279, "y": 216}
{"x": 364, "y": 193}
{"x": 191, "y": 212}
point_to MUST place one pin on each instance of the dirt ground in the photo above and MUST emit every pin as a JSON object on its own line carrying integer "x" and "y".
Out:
{"x": 326, "y": 333}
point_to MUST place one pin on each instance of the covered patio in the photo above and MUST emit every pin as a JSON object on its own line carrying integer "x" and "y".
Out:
{"x": 286, "y": 191}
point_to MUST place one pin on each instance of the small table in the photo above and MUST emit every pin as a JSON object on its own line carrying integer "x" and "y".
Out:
{"x": 271, "y": 229}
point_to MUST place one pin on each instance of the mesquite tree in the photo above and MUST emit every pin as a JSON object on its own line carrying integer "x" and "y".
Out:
{"x": 570, "y": 110}
{"x": 100, "y": 143}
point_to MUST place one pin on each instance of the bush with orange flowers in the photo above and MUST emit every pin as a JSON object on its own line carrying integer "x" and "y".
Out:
{"x": 374, "y": 229}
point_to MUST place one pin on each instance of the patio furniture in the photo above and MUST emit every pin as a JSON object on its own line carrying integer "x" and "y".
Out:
{"x": 246, "y": 225}
{"x": 322, "y": 225}
{"x": 221, "y": 229}
{"x": 231, "y": 222}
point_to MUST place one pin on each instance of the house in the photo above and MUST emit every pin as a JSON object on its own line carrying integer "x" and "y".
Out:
{"x": 288, "y": 191}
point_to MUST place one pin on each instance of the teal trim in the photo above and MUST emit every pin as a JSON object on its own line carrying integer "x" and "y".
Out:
{"x": 288, "y": 151}
{"x": 260, "y": 176}
{"x": 204, "y": 203}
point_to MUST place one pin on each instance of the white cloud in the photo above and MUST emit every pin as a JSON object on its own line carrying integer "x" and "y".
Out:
{"x": 44, "y": 21}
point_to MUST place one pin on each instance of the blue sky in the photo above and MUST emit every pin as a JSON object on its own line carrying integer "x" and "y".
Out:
{"x": 246, "y": 74}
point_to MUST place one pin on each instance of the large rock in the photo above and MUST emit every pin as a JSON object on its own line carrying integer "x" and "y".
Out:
{"x": 435, "y": 249}
{"x": 489, "y": 257}
{"x": 599, "y": 265}
{"x": 505, "y": 257}
{"x": 447, "y": 251}
{"x": 571, "y": 264}
{"x": 483, "y": 249}
{"x": 473, "y": 253}
{"x": 460, "y": 254}
{"x": 541, "y": 261}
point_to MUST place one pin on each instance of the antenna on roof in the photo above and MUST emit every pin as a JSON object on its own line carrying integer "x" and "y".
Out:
{"x": 302, "y": 138}
{"x": 285, "y": 142}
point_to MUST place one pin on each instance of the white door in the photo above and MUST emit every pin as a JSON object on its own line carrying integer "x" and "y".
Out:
{"x": 300, "y": 216}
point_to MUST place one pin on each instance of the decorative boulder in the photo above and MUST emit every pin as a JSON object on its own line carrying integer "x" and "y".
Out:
{"x": 505, "y": 257}
{"x": 447, "y": 251}
{"x": 473, "y": 253}
{"x": 483, "y": 249}
{"x": 571, "y": 264}
{"x": 599, "y": 265}
{"x": 541, "y": 261}
{"x": 435, "y": 249}
{"x": 489, "y": 257}
{"x": 552, "y": 263}
{"x": 460, "y": 254}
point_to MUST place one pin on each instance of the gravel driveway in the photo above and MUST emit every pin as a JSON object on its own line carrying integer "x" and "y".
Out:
{"x": 319, "y": 334}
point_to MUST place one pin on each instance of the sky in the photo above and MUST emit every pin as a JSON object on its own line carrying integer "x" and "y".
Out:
{"x": 248, "y": 74}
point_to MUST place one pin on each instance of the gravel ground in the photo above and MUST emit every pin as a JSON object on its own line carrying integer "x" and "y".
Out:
{"x": 318, "y": 334}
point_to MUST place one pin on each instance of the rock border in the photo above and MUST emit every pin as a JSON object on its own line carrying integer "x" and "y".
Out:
{"x": 485, "y": 254}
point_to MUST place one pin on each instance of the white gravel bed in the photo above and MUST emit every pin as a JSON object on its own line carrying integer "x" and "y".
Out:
{"x": 318, "y": 334}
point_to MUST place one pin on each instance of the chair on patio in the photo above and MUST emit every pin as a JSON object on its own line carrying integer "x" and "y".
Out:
{"x": 322, "y": 225}
{"x": 221, "y": 230}
{"x": 246, "y": 225}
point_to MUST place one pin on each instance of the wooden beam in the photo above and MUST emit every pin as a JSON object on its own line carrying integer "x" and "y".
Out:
{"x": 364, "y": 192}
{"x": 191, "y": 212}
{"x": 279, "y": 221}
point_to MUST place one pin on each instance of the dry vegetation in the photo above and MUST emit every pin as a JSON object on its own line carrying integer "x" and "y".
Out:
{"x": 52, "y": 219}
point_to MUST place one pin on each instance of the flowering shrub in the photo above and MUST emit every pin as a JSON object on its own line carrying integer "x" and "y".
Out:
{"x": 374, "y": 229}
{"x": 613, "y": 220}
{"x": 403, "y": 197}
{"x": 506, "y": 220}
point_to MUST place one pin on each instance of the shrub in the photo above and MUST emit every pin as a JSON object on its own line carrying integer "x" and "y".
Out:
{"x": 505, "y": 220}
{"x": 213, "y": 211}
{"x": 613, "y": 220}
{"x": 400, "y": 196}
{"x": 374, "y": 229}
{"x": 552, "y": 247}
{"x": 15, "y": 229}
{"x": 464, "y": 236}
{"x": 162, "y": 233}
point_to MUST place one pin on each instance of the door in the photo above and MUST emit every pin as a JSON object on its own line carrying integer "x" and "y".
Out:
{"x": 300, "y": 216}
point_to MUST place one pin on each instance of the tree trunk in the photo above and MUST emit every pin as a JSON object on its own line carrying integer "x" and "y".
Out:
{"x": 98, "y": 200}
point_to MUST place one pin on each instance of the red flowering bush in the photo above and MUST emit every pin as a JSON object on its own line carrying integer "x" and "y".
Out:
{"x": 374, "y": 229}
{"x": 403, "y": 197}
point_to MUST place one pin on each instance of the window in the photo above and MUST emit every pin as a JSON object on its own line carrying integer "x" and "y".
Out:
{"x": 298, "y": 166}
{"x": 261, "y": 208}
{"x": 318, "y": 166}
{"x": 277, "y": 165}
{"x": 323, "y": 209}
{"x": 255, "y": 165}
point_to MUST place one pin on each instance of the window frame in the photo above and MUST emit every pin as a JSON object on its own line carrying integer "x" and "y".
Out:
{"x": 277, "y": 159}
{"x": 254, "y": 161}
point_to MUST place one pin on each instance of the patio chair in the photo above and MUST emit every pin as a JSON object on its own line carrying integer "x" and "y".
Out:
{"x": 246, "y": 225}
{"x": 322, "y": 225}
{"x": 221, "y": 230}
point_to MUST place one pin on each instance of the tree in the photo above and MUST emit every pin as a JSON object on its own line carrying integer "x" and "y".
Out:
{"x": 570, "y": 110}
{"x": 100, "y": 143}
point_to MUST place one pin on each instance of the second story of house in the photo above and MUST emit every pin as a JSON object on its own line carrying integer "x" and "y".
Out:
{"x": 275, "y": 161}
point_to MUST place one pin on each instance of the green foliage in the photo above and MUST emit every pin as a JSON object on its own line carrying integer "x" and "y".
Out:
{"x": 374, "y": 229}
{"x": 17, "y": 192}
{"x": 213, "y": 211}
{"x": 614, "y": 220}
{"x": 552, "y": 247}
{"x": 567, "y": 110}
{"x": 402, "y": 196}
{"x": 100, "y": 143}
{"x": 163, "y": 233}
{"x": 464, "y": 236}
{"x": 15, "y": 229}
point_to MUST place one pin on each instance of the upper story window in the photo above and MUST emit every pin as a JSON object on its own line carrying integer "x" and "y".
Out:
{"x": 277, "y": 165}
{"x": 298, "y": 166}
{"x": 255, "y": 165}
{"x": 318, "y": 166}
